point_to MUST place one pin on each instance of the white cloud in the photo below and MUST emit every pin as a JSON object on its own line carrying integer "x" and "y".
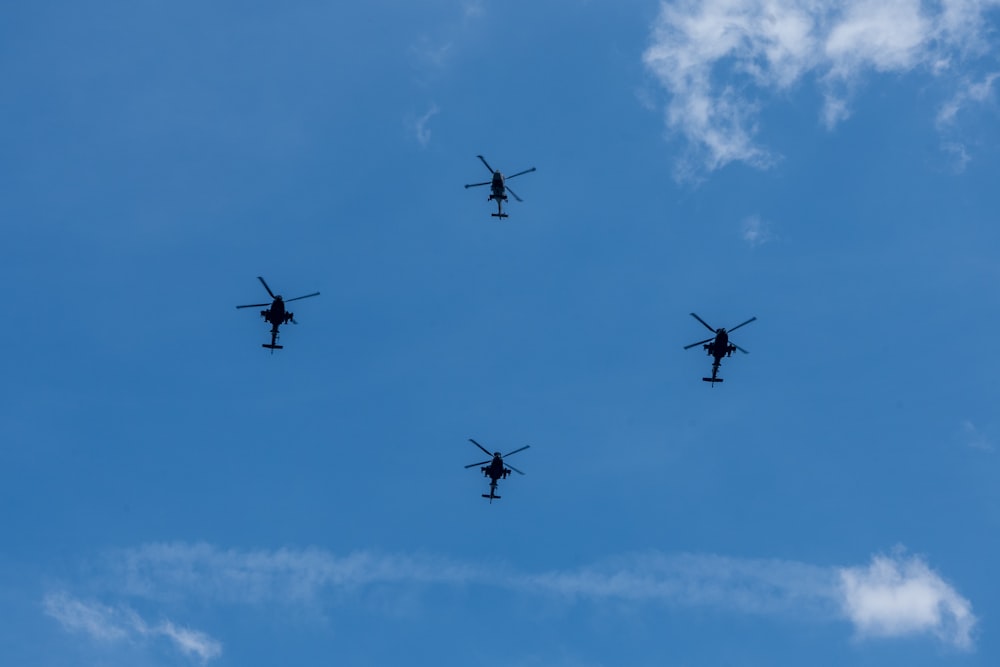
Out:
{"x": 92, "y": 619}
{"x": 970, "y": 91}
{"x": 975, "y": 438}
{"x": 894, "y": 596}
{"x": 190, "y": 642}
{"x": 899, "y": 596}
{"x": 160, "y": 571}
{"x": 473, "y": 9}
{"x": 422, "y": 132}
{"x": 433, "y": 54}
{"x": 887, "y": 35}
{"x": 717, "y": 58}
{"x": 118, "y": 624}
{"x": 744, "y": 585}
{"x": 959, "y": 154}
{"x": 755, "y": 231}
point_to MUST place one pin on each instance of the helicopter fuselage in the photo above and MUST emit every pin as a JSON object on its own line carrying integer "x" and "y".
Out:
{"x": 276, "y": 315}
{"x": 497, "y": 187}
{"x": 717, "y": 349}
{"x": 495, "y": 469}
{"x": 720, "y": 347}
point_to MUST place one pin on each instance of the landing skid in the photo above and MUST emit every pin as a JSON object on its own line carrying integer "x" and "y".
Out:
{"x": 712, "y": 380}
{"x": 272, "y": 347}
{"x": 499, "y": 215}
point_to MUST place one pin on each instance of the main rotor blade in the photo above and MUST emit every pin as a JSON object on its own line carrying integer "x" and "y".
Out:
{"x": 516, "y": 451}
{"x": 514, "y": 469}
{"x": 513, "y": 194}
{"x": 302, "y": 297}
{"x": 476, "y": 185}
{"x": 707, "y": 326}
{"x": 492, "y": 170}
{"x": 266, "y": 287}
{"x": 526, "y": 171}
{"x": 488, "y": 452}
{"x": 481, "y": 463}
{"x": 701, "y": 342}
{"x": 732, "y": 329}
{"x": 254, "y": 305}
{"x": 740, "y": 349}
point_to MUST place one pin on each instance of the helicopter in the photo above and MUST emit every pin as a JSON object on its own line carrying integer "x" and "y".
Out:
{"x": 498, "y": 187}
{"x": 495, "y": 469}
{"x": 276, "y": 314}
{"x": 718, "y": 346}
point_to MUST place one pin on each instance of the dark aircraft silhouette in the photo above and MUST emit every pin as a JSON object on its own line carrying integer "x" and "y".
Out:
{"x": 276, "y": 315}
{"x": 495, "y": 469}
{"x": 498, "y": 187}
{"x": 718, "y": 346}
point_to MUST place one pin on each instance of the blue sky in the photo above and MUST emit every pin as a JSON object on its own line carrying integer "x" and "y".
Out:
{"x": 173, "y": 495}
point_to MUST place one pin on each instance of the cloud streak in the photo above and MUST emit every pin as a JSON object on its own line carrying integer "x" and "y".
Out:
{"x": 970, "y": 91}
{"x": 892, "y": 596}
{"x": 111, "y": 625}
{"x": 420, "y": 129}
{"x": 716, "y": 58}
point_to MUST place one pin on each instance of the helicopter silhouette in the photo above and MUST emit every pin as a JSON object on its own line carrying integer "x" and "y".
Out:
{"x": 498, "y": 187}
{"x": 718, "y": 346}
{"x": 495, "y": 469}
{"x": 276, "y": 314}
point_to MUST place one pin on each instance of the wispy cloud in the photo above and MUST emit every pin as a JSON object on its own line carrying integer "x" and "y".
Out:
{"x": 92, "y": 619}
{"x": 975, "y": 438}
{"x": 758, "y": 586}
{"x": 121, "y": 624}
{"x": 898, "y": 596}
{"x": 716, "y": 58}
{"x": 755, "y": 231}
{"x": 473, "y": 8}
{"x": 164, "y": 571}
{"x": 433, "y": 53}
{"x": 970, "y": 91}
{"x": 893, "y": 596}
{"x": 190, "y": 642}
{"x": 420, "y": 129}
{"x": 958, "y": 154}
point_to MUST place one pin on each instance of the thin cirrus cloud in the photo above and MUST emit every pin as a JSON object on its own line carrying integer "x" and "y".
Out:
{"x": 420, "y": 126}
{"x": 115, "y": 624}
{"x": 755, "y": 231}
{"x": 975, "y": 438}
{"x": 970, "y": 91}
{"x": 894, "y": 596}
{"x": 715, "y": 58}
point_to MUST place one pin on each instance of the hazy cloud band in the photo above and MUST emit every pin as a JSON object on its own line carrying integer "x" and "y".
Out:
{"x": 893, "y": 595}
